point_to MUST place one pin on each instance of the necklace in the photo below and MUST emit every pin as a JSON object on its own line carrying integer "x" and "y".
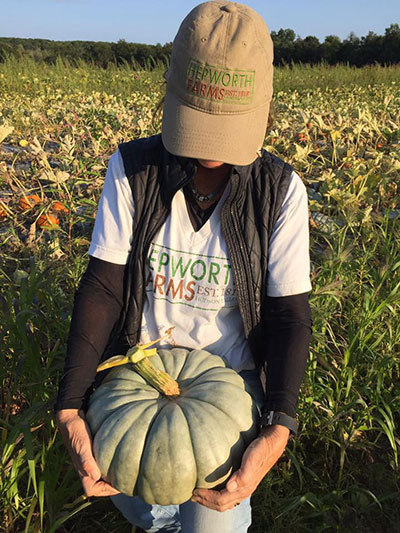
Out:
{"x": 206, "y": 197}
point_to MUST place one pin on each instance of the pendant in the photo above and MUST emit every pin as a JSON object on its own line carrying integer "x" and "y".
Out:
{"x": 205, "y": 197}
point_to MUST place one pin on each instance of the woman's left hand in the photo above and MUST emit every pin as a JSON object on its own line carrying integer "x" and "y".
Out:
{"x": 257, "y": 461}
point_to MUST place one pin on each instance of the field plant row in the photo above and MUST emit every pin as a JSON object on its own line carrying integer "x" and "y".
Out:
{"x": 340, "y": 129}
{"x": 26, "y": 75}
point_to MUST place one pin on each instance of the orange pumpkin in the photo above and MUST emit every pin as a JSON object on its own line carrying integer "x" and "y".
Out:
{"x": 29, "y": 201}
{"x": 45, "y": 221}
{"x": 59, "y": 207}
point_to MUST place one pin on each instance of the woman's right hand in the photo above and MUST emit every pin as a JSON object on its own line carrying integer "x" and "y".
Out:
{"x": 77, "y": 438}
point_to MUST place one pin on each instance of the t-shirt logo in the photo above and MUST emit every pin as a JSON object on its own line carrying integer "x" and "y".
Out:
{"x": 196, "y": 280}
{"x": 219, "y": 83}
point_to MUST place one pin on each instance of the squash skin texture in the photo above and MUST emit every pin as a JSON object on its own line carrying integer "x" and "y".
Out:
{"x": 162, "y": 448}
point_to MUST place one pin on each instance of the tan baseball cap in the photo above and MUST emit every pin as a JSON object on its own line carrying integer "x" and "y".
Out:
{"x": 219, "y": 84}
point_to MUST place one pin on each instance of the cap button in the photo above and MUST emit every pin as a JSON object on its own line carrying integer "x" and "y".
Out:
{"x": 230, "y": 8}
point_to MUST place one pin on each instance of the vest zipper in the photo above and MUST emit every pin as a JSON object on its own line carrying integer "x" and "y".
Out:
{"x": 240, "y": 260}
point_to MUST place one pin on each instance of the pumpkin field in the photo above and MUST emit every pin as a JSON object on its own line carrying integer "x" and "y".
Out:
{"x": 340, "y": 129}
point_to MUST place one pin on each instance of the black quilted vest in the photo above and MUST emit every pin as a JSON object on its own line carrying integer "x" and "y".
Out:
{"x": 248, "y": 217}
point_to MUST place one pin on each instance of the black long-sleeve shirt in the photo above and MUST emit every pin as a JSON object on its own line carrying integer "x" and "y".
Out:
{"x": 97, "y": 307}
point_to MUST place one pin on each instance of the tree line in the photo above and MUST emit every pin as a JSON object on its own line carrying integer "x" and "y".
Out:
{"x": 288, "y": 48}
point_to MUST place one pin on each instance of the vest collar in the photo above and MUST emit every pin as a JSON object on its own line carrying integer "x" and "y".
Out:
{"x": 180, "y": 170}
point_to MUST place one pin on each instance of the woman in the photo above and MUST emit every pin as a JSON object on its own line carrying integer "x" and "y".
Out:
{"x": 200, "y": 229}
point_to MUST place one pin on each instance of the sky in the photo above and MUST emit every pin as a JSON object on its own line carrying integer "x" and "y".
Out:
{"x": 157, "y": 21}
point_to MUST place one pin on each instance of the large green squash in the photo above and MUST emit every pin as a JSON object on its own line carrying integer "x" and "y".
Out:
{"x": 162, "y": 447}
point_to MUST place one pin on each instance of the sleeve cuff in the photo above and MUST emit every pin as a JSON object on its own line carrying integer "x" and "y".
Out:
{"x": 106, "y": 254}
{"x": 288, "y": 289}
{"x": 282, "y": 406}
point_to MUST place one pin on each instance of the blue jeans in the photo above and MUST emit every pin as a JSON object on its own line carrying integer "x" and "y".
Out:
{"x": 190, "y": 517}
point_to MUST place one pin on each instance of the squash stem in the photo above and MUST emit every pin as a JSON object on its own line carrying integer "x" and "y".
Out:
{"x": 158, "y": 379}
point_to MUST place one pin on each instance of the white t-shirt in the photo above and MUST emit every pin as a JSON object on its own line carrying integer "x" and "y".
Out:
{"x": 190, "y": 285}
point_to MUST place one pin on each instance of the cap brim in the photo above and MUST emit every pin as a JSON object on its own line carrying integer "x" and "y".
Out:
{"x": 233, "y": 139}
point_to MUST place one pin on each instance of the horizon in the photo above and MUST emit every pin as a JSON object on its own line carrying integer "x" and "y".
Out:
{"x": 167, "y": 42}
{"x": 134, "y": 22}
